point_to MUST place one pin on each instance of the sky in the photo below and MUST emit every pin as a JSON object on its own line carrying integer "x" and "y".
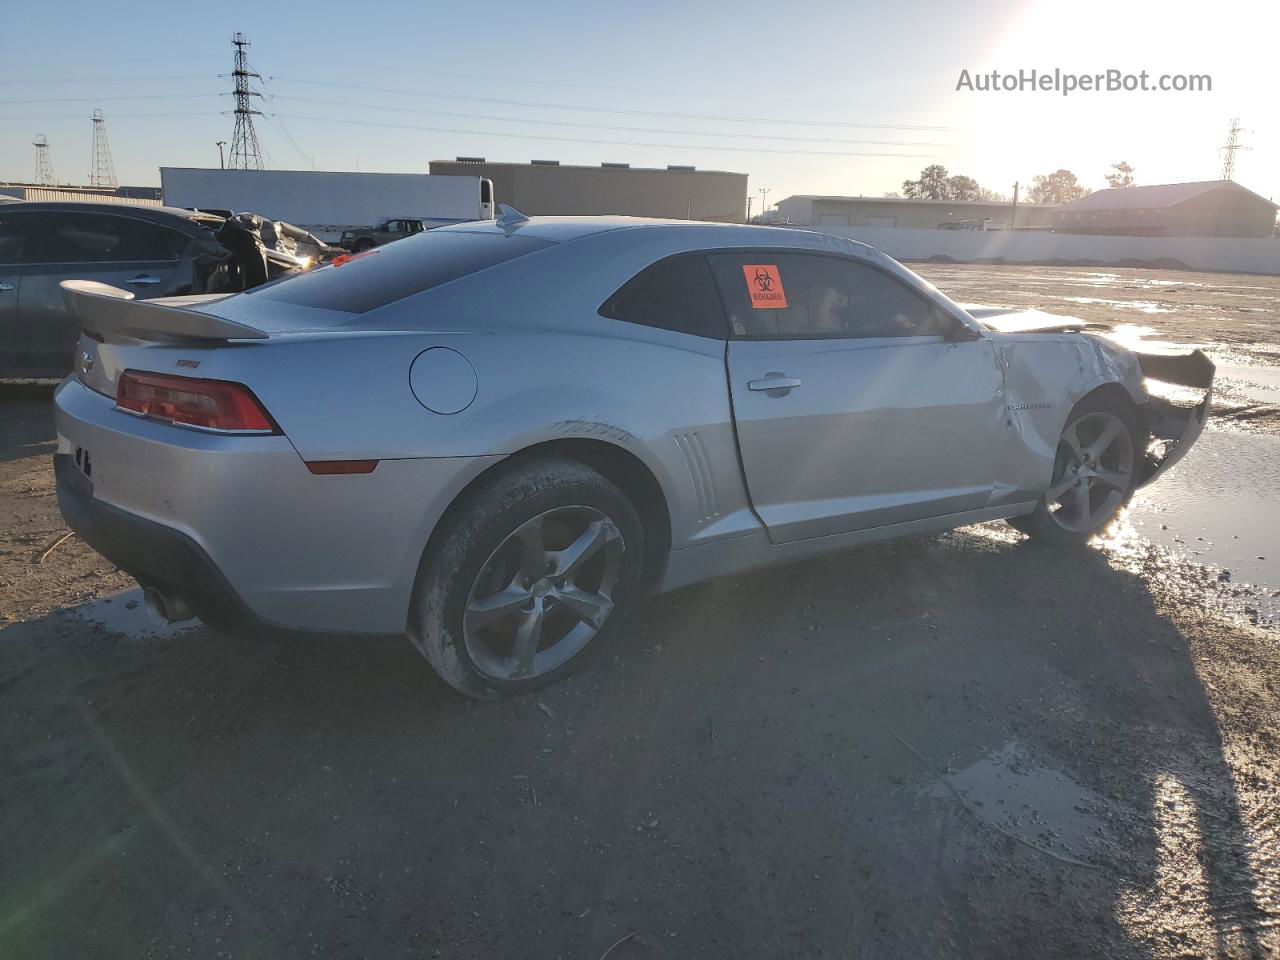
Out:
{"x": 846, "y": 97}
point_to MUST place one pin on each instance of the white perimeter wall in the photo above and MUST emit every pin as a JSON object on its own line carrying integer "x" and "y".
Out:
{"x": 1225, "y": 254}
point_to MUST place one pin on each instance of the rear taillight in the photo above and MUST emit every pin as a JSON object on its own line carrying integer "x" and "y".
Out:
{"x": 191, "y": 402}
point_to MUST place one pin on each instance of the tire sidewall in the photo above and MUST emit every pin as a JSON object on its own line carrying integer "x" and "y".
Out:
{"x": 477, "y": 527}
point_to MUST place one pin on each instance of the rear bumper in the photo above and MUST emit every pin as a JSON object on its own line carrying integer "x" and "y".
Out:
{"x": 240, "y": 528}
{"x": 150, "y": 552}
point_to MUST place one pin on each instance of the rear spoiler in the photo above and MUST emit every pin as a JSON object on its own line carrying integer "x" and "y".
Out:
{"x": 111, "y": 312}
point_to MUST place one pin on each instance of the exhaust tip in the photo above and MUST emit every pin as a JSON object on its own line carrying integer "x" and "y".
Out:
{"x": 165, "y": 608}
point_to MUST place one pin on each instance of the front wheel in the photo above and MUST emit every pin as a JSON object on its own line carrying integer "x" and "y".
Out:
{"x": 527, "y": 577}
{"x": 1095, "y": 472}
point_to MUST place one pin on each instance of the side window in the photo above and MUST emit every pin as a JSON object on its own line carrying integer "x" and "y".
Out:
{"x": 101, "y": 237}
{"x": 797, "y": 296}
{"x": 673, "y": 294}
{"x": 14, "y": 232}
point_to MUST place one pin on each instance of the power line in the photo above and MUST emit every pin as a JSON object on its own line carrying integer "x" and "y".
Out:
{"x": 95, "y": 98}
{"x": 116, "y": 79}
{"x": 618, "y": 110}
{"x": 114, "y": 116}
{"x": 616, "y": 143}
{"x": 604, "y": 126}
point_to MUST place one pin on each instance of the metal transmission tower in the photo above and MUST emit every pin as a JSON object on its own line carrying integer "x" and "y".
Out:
{"x": 44, "y": 166}
{"x": 1229, "y": 151}
{"x": 104, "y": 171}
{"x": 245, "y": 153}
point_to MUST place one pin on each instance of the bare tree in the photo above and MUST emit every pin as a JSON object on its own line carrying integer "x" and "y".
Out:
{"x": 1061, "y": 186}
{"x": 1121, "y": 175}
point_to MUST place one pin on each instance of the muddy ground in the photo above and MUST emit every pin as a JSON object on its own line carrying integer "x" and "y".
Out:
{"x": 957, "y": 746}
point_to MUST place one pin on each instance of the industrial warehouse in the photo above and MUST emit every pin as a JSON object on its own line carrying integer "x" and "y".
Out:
{"x": 550, "y": 188}
{"x": 1215, "y": 208}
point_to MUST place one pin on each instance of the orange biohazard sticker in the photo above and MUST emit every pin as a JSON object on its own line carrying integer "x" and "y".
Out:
{"x": 764, "y": 285}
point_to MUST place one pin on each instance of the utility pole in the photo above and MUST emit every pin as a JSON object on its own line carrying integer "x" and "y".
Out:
{"x": 1013, "y": 211}
{"x": 764, "y": 200}
{"x": 1229, "y": 150}
{"x": 104, "y": 172}
{"x": 222, "y": 163}
{"x": 749, "y": 199}
{"x": 245, "y": 153}
{"x": 44, "y": 166}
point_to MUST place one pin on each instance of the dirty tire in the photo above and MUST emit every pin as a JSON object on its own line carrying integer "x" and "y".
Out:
{"x": 1040, "y": 524}
{"x": 482, "y": 524}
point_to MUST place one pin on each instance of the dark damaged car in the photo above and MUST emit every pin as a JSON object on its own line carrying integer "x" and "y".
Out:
{"x": 150, "y": 251}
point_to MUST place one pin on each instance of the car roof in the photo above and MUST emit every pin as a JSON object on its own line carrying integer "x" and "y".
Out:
{"x": 141, "y": 211}
{"x": 563, "y": 229}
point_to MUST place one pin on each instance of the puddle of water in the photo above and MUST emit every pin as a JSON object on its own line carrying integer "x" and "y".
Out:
{"x": 1144, "y": 306}
{"x": 124, "y": 612}
{"x": 1219, "y": 504}
{"x": 1039, "y": 804}
{"x": 1257, "y": 382}
{"x": 1134, "y": 336}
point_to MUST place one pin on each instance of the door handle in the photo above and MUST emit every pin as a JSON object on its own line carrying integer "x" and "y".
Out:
{"x": 6, "y": 287}
{"x": 774, "y": 384}
{"x": 145, "y": 280}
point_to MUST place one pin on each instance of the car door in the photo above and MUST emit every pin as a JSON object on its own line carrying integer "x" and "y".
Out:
{"x": 858, "y": 401}
{"x": 13, "y": 246}
{"x": 123, "y": 251}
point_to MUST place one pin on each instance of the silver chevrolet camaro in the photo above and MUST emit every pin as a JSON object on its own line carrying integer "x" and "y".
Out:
{"x": 495, "y": 436}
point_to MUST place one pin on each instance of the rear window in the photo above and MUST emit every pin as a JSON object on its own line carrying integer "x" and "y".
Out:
{"x": 399, "y": 270}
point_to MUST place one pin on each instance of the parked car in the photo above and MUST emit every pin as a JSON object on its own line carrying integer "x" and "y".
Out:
{"x": 152, "y": 251}
{"x": 385, "y": 231}
{"x": 496, "y": 436}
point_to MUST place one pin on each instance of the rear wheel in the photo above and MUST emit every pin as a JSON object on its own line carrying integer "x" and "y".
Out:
{"x": 1095, "y": 472}
{"x": 528, "y": 577}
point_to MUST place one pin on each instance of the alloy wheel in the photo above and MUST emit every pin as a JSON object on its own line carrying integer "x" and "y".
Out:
{"x": 544, "y": 593}
{"x": 1093, "y": 472}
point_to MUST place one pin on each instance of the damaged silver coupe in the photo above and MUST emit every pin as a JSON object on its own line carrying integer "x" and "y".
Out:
{"x": 494, "y": 437}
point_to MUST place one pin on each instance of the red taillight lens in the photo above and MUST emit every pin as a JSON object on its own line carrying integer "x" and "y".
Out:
{"x": 208, "y": 404}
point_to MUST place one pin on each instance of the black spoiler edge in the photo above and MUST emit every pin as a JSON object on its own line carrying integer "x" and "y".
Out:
{"x": 1192, "y": 369}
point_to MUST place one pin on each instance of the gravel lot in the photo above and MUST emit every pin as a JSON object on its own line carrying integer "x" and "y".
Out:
{"x": 956, "y": 746}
